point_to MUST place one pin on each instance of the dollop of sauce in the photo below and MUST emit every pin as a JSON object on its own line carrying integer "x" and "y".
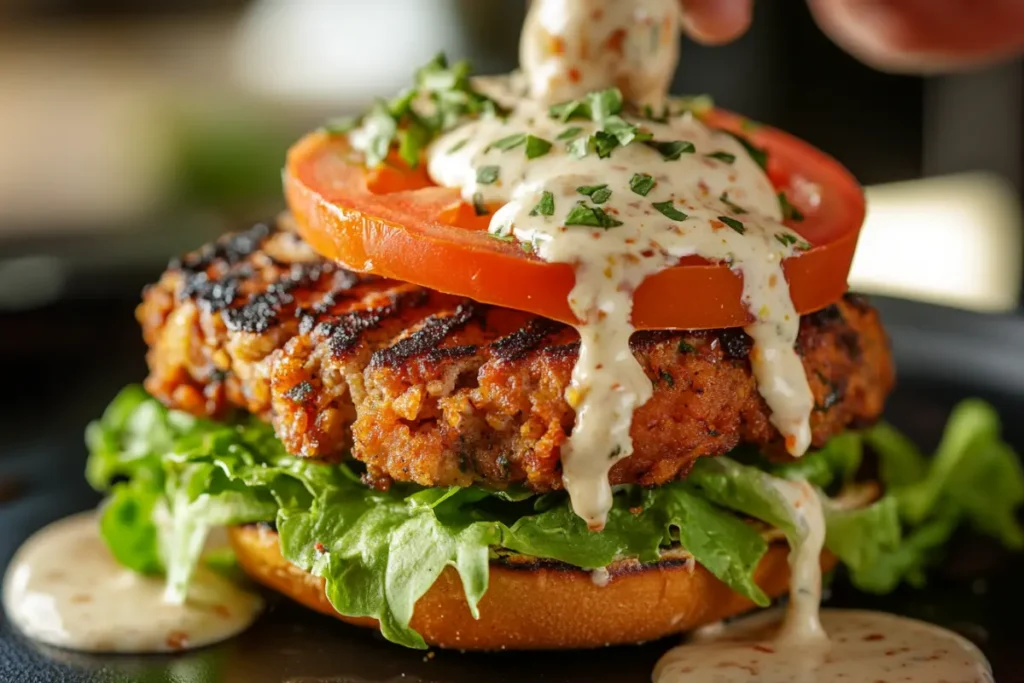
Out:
{"x": 863, "y": 646}
{"x": 63, "y": 588}
{"x": 617, "y": 219}
{"x": 572, "y": 47}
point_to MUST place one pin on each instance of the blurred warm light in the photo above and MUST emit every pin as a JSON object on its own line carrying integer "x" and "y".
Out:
{"x": 953, "y": 240}
{"x": 344, "y": 52}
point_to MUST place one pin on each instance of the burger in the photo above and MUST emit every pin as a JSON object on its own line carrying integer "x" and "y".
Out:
{"x": 450, "y": 396}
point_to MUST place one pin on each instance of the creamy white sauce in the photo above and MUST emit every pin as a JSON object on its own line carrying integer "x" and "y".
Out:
{"x": 64, "y": 588}
{"x": 864, "y": 646}
{"x": 571, "y": 47}
{"x": 810, "y": 645}
{"x": 608, "y": 383}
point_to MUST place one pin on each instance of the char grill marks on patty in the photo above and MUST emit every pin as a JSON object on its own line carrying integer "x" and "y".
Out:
{"x": 439, "y": 390}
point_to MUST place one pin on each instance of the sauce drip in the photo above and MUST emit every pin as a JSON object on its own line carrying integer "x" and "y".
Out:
{"x": 713, "y": 201}
{"x": 64, "y": 588}
{"x": 810, "y": 645}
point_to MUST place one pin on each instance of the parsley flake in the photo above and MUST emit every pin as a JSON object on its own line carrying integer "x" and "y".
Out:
{"x": 457, "y": 146}
{"x": 785, "y": 238}
{"x": 579, "y": 148}
{"x": 536, "y": 147}
{"x": 789, "y": 212}
{"x": 731, "y": 205}
{"x": 487, "y": 175}
{"x": 590, "y": 216}
{"x": 724, "y": 157}
{"x": 569, "y": 133}
{"x": 546, "y": 205}
{"x": 671, "y": 151}
{"x": 758, "y": 154}
{"x": 508, "y": 142}
{"x": 668, "y": 210}
{"x": 686, "y": 347}
{"x": 479, "y": 207}
{"x": 642, "y": 183}
{"x": 733, "y": 223}
{"x": 598, "y": 194}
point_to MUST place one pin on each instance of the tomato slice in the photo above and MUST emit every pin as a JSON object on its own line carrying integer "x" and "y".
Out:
{"x": 393, "y": 221}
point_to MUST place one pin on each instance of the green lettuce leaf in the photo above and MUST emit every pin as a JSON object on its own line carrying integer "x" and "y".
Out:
{"x": 377, "y": 551}
{"x": 173, "y": 477}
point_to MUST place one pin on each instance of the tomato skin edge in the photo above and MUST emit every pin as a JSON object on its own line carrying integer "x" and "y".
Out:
{"x": 360, "y": 229}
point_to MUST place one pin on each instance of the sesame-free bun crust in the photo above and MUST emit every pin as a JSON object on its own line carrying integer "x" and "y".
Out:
{"x": 534, "y": 605}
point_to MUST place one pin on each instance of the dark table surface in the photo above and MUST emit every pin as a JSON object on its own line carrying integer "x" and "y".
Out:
{"x": 61, "y": 365}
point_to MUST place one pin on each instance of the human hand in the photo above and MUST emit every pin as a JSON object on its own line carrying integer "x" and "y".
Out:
{"x": 894, "y": 35}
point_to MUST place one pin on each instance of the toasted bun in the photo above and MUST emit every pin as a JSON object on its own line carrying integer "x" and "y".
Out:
{"x": 533, "y": 605}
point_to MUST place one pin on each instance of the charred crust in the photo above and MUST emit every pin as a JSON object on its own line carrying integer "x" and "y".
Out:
{"x": 262, "y": 310}
{"x": 347, "y": 330}
{"x": 736, "y": 344}
{"x": 519, "y": 344}
{"x": 427, "y": 338}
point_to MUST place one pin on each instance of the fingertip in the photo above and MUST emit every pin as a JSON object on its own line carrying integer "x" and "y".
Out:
{"x": 714, "y": 22}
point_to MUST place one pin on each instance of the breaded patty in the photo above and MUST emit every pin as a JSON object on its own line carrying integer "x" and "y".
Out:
{"x": 439, "y": 390}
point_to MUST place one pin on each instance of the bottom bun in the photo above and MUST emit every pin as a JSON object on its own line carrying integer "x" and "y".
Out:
{"x": 539, "y": 604}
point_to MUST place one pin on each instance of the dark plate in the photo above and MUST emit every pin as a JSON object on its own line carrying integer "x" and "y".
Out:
{"x": 943, "y": 356}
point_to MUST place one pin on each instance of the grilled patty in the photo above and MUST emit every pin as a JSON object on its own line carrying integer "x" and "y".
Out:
{"x": 439, "y": 390}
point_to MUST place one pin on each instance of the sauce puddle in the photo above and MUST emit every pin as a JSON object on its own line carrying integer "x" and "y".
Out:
{"x": 63, "y": 588}
{"x": 862, "y": 646}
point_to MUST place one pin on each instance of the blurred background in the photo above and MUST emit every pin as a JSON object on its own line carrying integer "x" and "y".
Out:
{"x": 131, "y": 131}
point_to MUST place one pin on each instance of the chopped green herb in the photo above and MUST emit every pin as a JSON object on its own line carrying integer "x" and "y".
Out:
{"x": 590, "y": 216}
{"x": 598, "y": 194}
{"x": 573, "y": 109}
{"x": 789, "y": 212}
{"x": 526, "y": 246}
{"x": 569, "y": 133}
{"x": 397, "y": 122}
{"x": 546, "y": 205}
{"x": 669, "y": 210}
{"x": 478, "y": 205}
{"x": 731, "y": 205}
{"x": 604, "y": 104}
{"x": 411, "y": 140}
{"x": 671, "y": 151}
{"x": 733, "y": 223}
{"x": 340, "y": 125}
{"x": 785, "y": 239}
{"x": 686, "y": 347}
{"x": 579, "y": 148}
{"x": 381, "y": 128}
{"x": 624, "y": 131}
{"x": 508, "y": 142}
{"x": 536, "y": 147}
{"x": 457, "y": 146}
{"x": 650, "y": 115}
{"x": 503, "y": 236}
{"x": 487, "y": 175}
{"x": 759, "y": 155}
{"x": 722, "y": 156}
{"x": 667, "y": 378}
{"x": 641, "y": 183}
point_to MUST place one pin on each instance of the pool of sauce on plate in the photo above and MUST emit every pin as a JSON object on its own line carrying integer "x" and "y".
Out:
{"x": 63, "y": 588}
{"x": 806, "y": 644}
